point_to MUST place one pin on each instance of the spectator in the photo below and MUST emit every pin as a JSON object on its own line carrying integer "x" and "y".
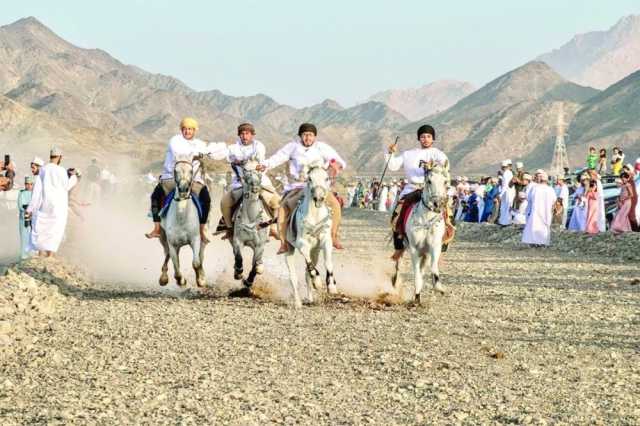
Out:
{"x": 49, "y": 207}
{"x": 592, "y": 158}
{"x": 602, "y": 162}
{"x": 541, "y": 199}
{"x": 625, "y": 220}
{"x": 617, "y": 160}
{"x": 593, "y": 208}
{"x": 24, "y": 224}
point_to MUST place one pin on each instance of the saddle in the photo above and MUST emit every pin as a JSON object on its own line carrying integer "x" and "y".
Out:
{"x": 406, "y": 205}
{"x": 169, "y": 199}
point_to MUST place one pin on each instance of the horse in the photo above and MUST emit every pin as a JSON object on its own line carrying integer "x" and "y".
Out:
{"x": 180, "y": 226}
{"x": 251, "y": 225}
{"x": 309, "y": 232}
{"x": 425, "y": 229}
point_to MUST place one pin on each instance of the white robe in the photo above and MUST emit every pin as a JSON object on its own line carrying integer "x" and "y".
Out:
{"x": 506, "y": 198}
{"x": 50, "y": 207}
{"x": 539, "y": 215}
{"x": 578, "y": 220}
{"x": 382, "y": 200}
{"x": 520, "y": 214}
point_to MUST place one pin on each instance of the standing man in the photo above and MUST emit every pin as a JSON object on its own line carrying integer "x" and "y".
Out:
{"x": 244, "y": 149}
{"x": 93, "y": 176}
{"x": 185, "y": 145}
{"x": 24, "y": 225}
{"x": 507, "y": 194}
{"x": 49, "y": 206}
{"x": 302, "y": 151}
{"x": 36, "y": 164}
{"x": 411, "y": 193}
{"x": 541, "y": 199}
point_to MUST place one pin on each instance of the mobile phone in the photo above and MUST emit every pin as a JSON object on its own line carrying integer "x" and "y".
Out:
{"x": 7, "y": 160}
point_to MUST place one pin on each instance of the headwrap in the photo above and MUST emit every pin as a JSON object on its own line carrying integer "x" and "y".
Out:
{"x": 307, "y": 127}
{"x": 506, "y": 163}
{"x": 246, "y": 127}
{"x": 37, "y": 161}
{"x": 55, "y": 152}
{"x": 526, "y": 176}
{"x": 519, "y": 165}
{"x": 425, "y": 128}
{"x": 189, "y": 123}
{"x": 543, "y": 176}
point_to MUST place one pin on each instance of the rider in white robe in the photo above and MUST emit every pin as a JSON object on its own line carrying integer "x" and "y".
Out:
{"x": 507, "y": 194}
{"x": 49, "y": 206}
{"x": 541, "y": 199}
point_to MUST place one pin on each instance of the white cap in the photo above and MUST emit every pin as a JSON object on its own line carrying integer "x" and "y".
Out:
{"x": 55, "y": 152}
{"x": 543, "y": 176}
{"x": 539, "y": 171}
{"x": 526, "y": 176}
{"x": 37, "y": 161}
{"x": 519, "y": 165}
{"x": 506, "y": 163}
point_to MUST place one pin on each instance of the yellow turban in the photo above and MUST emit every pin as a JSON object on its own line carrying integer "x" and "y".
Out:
{"x": 189, "y": 123}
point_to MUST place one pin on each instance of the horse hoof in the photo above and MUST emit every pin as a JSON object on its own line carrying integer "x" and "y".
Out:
{"x": 237, "y": 275}
{"x": 247, "y": 283}
{"x": 181, "y": 282}
{"x": 163, "y": 281}
{"x": 418, "y": 299}
{"x": 201, "y": 283}
{"x": 297, "y": 304}
{"x": 260, "y": 269}
{"x": 333, "y": 289}
{"x": 439, "y": 288}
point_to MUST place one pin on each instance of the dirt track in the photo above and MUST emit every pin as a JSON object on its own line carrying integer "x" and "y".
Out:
{"x": 524, "y": 336}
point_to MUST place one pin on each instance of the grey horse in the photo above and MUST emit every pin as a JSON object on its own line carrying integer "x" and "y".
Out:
{"x": 180, "y": 226}
{"x": 250, "y": 228}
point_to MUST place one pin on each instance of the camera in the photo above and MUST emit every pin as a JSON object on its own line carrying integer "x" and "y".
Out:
{"x": 27, "y": 217}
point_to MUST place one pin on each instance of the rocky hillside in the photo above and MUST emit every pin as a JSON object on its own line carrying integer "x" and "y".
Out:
{"x": 599, "y": 58}
{"x": 610, "y": 118}
{"x": 513, "y": 116}
{"x": 416, "y": 103}
{"x": 84, "y": 99}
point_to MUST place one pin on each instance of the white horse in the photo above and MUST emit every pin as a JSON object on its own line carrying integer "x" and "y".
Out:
{"x": 251, "y": 225}
{"x": 310, "y": 233}
{"x": 180, "y": 226}
{"x": 425, "y": 229}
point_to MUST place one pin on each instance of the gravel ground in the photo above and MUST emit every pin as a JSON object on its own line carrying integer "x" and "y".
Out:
{"x": 523, "y": 336}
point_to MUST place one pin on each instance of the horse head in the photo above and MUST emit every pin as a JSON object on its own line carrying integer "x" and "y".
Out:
{"x": 251, "y": 180}
{"x": 436, "y": 178}
{"x": 317, "y": 182}
{"x": 183, "y": 176}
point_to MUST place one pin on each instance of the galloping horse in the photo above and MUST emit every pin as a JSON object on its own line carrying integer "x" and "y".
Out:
{"x": 180, "y": 226}
{"x": 426, "y": 227}
{"x": 250, "y": 224}
{"x": 310, "y": 233}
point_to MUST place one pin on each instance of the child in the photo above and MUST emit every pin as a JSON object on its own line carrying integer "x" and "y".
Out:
{"x": 558, "y": 214}
{"x": 592, "y": 158}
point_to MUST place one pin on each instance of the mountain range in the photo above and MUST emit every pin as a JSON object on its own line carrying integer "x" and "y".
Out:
{"x": 52, "y": 92}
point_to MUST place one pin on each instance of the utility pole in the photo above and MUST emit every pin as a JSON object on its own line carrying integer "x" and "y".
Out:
{"x": 560, "y": 160}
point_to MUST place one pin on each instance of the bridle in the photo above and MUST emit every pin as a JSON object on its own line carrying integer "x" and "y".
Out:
{"x": 178, "y": 196}
{"x": 434, "y": 204}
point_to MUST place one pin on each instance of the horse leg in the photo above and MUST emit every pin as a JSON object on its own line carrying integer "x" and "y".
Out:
{"x": 330, "y": 279}
{"x": 198, "y": 248}
{"x": 417, "y": 273}
{"x": 293, "y": 280}
{"x": 257, "y": 267}
{"x": 436, "y": 250}
{"x": 237, "y": 264}
{"x": 175, "y": 258}
{"x": 396, "y": 274}
{"x": 164, "y": 277}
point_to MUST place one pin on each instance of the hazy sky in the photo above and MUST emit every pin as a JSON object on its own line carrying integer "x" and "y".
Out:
{"x": 302, "y": 52}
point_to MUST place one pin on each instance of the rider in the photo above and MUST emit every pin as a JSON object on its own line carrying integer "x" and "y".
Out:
{"x": 244, "y": 149}
{"x": 411, "y": 193}
{"x": 302, "y": 151}
{"x": 187, "y": 145}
